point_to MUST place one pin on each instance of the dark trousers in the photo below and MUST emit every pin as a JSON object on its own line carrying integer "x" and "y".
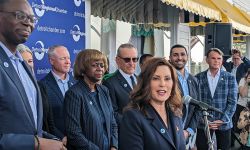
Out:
{"x": 223, "y": 139}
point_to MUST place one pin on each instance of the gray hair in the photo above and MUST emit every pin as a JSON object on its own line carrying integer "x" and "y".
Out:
{"x": 51, "y": 51}
{"x": 23, "y": 48}
{"x": 126, "y": 45}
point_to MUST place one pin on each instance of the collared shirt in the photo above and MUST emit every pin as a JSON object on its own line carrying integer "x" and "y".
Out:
{"x": 234, "y": 70}
{"x": 27, "y": 83}
{"x": 63, "y": 84}
{"x": 127, "y": 77}
{"x": 184, "y": 86}
{"x": 212, "y": 81}
{"x": 183, "y": 81}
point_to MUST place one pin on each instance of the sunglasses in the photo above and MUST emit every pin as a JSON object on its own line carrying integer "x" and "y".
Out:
{"x": 127, "y": 60}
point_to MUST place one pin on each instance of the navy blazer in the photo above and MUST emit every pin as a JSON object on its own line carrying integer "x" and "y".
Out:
{"x": 55, "y": 99}
{"x": 147, "y": 132}
{"x": 224, "y": 99}
{"x": 193, "y": 113}
{"x": 119, "y": 91}
{"x": 84, "y": 129}
{"x": 17, "y": 127}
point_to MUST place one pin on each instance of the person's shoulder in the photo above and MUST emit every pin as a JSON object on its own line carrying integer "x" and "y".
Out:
{"x": 46, "y": 77}
{"x": 225, "y": 73}
{"x": 132, "y": 113}
{"x": 200, "y": 74}
{"x": 108, "y": 76}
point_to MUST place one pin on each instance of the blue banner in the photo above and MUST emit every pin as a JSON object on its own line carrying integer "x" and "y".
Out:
{"x": 61, "y": 22}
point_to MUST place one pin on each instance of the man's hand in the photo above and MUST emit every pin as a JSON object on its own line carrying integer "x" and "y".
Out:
{"x": 186, "y": 134}
{"x": 64, "y": 140}
{"x": 47, "y": 144}
{"x": 215, "y": 124}
{"x": 113, "y": 148}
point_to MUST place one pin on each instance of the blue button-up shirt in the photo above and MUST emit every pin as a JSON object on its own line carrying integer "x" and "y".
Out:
{"x": 184, "y": 85}
{"x": 28, "y": 85}
{"x": 63, "y": 84}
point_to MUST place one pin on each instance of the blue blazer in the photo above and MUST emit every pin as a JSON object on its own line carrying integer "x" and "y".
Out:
{"x": 193, "y": 113}
{"x": 119, "y": 90}
{"x": 224, "y": 99}
{"x": 147, "y": 132}
{"x": 84, "y": 127}
{"x": 17, "y": 127}
{"x": 55, "y": 99}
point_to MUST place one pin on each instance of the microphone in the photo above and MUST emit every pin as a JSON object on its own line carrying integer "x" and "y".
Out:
{"x": 187, "y": 99}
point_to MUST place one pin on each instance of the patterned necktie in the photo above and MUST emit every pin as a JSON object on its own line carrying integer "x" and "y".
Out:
{"x": 132, "y": 81}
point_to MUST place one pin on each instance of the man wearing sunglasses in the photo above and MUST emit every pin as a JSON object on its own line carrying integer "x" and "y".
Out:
{"x": 20, "y": 98}
{"x": 123, "y": 80}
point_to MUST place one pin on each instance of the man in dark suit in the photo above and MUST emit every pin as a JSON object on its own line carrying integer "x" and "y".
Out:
{"x": 20, "y": 98}
{"x": 56, "y": 83}
{"x": 122, "y": 81}
{"x": 188, "y": 86}
{"x": 238, "y": 66}
{"x": 218, "y": 88}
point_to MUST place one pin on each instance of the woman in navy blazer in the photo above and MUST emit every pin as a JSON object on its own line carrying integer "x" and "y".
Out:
{"x": 89, "y": 117}
{"x": 152, "y": 120}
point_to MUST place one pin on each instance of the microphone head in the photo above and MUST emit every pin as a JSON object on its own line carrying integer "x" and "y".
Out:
{"x": 186, "y": 99}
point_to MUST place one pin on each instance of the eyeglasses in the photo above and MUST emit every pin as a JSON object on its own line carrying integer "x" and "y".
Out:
{"x": 21, "y": 16}
{"x": 96, "y": 65}
{"x": 127, "y": 60}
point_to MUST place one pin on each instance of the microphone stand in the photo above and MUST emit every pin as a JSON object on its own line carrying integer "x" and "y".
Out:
{"x": 210, "y": 142}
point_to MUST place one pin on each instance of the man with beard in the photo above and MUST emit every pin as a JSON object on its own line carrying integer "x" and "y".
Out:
{"x": 188, "y": 86}
{"x": 20, "y": 98}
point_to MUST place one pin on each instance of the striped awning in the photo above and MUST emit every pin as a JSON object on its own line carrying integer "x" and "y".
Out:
{"x": 202, "y": 8}
{"x": 220, "y": 10}
{"x": 149, "y": 12}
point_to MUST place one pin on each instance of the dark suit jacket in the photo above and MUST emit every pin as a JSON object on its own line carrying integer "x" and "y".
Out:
{"x": 147, "y": 132}
{"x": 17, "y": 127}
{"x": 55, "y": 99}
{"x": 193, "y": 114}
{"x": 119, "y": 90}
{"x": 241, "y": 70}
{"x": 48, "y": 120}
{"x": 224, "y": 99}
{"x": 83, "y": 126}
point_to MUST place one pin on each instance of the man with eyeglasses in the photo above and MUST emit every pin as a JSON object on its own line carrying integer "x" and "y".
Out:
{"x": 238, "y": 67}
{"x": 20, "y": 98}
{"x": 123, "y": 80}
{"x": 55, "y": 84}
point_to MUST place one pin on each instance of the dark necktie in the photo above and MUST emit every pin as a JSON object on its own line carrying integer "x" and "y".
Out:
{"x": 132, "y": 81}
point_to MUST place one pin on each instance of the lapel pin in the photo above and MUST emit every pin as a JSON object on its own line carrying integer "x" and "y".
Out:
{"x": 125, "y": 85}
{"x": 6, "y": 64}
{"x": 162, "y": 131}
{"x": 90, "y": 102}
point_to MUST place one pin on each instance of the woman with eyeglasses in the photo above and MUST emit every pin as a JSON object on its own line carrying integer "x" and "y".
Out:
{"x": 153, "y": 118}
{"x": 89, "y": 117}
